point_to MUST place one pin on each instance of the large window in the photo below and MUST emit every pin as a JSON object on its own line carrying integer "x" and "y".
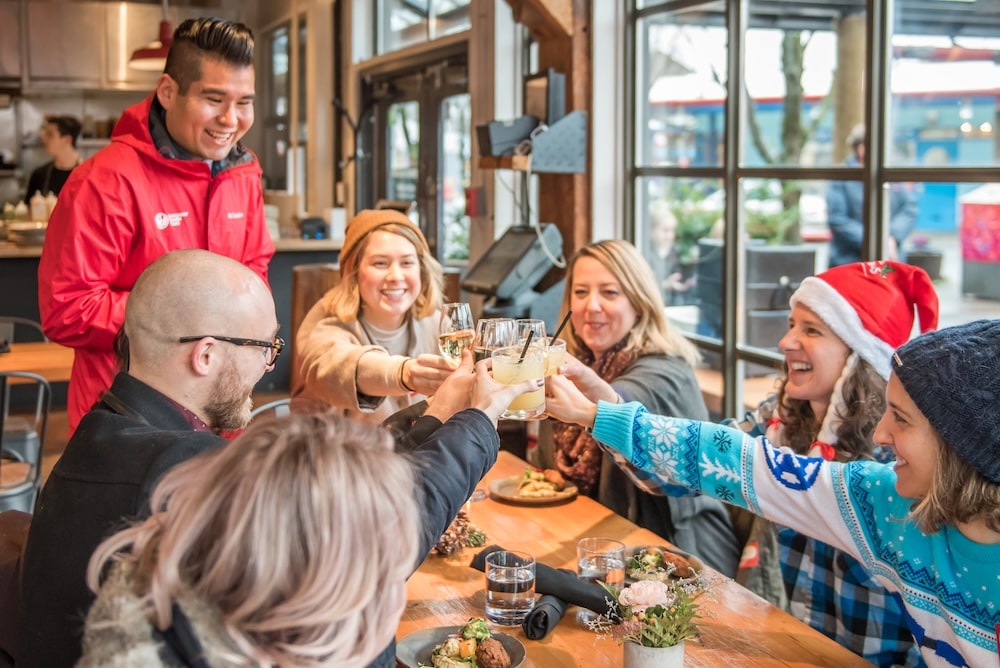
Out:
{"x": 405, "y": 22}
{"x": 753, "y": 165}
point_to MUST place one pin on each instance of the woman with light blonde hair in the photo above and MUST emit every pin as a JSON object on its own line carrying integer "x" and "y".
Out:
{"x": 262, "y": 553}
{"x": 621, "y": 347}
{"x": 369, "y": 346}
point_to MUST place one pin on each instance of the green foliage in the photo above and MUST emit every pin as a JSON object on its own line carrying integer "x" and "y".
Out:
{"x": 663, "y": 625}
{"x": 668, "y": 626}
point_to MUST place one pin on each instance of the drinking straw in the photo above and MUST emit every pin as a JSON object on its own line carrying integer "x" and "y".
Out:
{"x": 524, "y": 350}
{"x": 561, "y": 325}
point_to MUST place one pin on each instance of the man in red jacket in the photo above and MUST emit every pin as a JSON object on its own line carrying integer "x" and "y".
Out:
{"x": 175, "y": 175}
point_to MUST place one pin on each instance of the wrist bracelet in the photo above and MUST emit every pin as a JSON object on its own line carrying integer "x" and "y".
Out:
{"x": 402, "y": 369}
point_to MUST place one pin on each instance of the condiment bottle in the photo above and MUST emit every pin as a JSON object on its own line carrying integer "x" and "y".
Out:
{"x": 50, "y": 203}
{"x": 38, "y": 206}
{"x": 21, "y": 211}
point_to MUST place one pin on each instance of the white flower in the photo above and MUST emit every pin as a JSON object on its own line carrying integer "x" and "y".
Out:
{"x": 645, "y": 594}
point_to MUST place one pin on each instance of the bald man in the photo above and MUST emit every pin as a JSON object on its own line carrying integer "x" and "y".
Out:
{"x": 202, "y": 331}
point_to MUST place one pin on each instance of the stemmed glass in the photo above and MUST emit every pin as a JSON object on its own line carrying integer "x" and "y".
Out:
{"x": 536, "y": 327}
{"x": 455, "y": 333}
{"x": 493, "y": 333}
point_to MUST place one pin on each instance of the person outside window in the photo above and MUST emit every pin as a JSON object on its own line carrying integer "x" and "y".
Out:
{"x": 845, "y": 203}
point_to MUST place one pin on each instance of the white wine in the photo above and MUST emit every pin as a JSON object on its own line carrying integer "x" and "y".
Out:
{"x": 453, "y": 343}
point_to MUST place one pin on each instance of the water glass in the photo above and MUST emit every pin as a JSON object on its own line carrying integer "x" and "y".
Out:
{"x": 456, "y": 332}
{"x": 509, "y": 367}
{"x": 493, "y": 333}
{"x": 600, "y": 560}
{"x": 555, "y": 355}
{"x": 510, "y": 587}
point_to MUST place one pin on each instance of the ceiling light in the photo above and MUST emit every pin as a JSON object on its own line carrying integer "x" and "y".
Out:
{"x": 153, "y": 56}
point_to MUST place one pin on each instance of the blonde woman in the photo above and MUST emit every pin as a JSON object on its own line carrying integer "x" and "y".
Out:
{"x": 622, "y": 348}
{"x": 253, "y": 551}
{"x": 369, "y": 346}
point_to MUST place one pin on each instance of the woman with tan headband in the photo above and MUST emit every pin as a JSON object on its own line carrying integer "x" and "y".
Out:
{"x": 369, "y": 346}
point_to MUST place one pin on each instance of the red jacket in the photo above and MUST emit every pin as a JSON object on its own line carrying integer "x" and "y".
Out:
{"x": 119, "y": 211}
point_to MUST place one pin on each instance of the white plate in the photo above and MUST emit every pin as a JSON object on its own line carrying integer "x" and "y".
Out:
{"x": 416, "y": 648}
{"x": 697, "y": 564}
{"x": 505, "y": 490}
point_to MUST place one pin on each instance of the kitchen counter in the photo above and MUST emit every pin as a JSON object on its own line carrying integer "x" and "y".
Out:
{"x": 292, "y": 245}
{"x": 9, "y": 250}
{"x": 19, "y": 267}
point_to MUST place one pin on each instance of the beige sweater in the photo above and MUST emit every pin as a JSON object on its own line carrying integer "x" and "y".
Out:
{"x": 335, "y": 357}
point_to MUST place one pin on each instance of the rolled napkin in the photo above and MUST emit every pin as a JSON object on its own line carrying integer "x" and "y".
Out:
{"x": 560, "y": 584}
{"x": 544, "y": 616}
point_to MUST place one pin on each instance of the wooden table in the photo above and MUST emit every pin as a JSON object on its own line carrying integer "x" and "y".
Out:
{"x": 51, "y": 361}
{"x": 741, "y": 630}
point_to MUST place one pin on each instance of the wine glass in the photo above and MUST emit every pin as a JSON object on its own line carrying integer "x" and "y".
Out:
{"x": 493, "y": 333}
{"x": 535, "y": 327}
{"x": 455, "y": 333}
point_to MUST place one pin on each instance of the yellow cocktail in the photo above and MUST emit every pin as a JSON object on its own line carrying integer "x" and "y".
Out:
{"x": 510, "y": 368}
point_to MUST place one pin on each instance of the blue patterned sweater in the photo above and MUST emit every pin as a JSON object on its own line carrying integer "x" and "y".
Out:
{"x": 949, "y": 586}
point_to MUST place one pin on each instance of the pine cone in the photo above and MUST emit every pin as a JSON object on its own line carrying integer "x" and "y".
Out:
{"x": 455, "y": 535}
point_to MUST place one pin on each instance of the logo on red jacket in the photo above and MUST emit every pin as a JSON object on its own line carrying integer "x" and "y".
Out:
{"x": 165, "y": 220}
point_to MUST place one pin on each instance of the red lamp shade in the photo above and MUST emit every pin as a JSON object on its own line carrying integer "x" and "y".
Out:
{"x": 153, "y": 56}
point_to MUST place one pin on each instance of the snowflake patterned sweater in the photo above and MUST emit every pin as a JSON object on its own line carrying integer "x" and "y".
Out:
{"x": 949, "y": 585}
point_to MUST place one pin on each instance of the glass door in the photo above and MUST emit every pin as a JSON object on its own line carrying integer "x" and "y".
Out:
{"x": 423, "y": 151}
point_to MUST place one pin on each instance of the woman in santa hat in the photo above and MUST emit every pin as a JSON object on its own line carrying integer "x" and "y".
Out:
{"x": 843, "y": 327}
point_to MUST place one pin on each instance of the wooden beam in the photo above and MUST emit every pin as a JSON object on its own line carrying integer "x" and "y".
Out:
{"x": 546, "y": 19}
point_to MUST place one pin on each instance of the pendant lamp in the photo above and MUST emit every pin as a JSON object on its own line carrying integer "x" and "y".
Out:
{"x": 153, "y": 56}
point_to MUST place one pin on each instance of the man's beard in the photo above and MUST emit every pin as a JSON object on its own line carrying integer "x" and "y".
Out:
{"x": 229, "y": 407}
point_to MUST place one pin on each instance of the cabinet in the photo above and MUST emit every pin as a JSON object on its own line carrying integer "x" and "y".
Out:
{"x": 10, "y": 44}
{"x": 65, "y": 44}
{"x": 87, "y": 45}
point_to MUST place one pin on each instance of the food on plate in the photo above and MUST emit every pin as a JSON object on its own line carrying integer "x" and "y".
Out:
{"x": 491, "y": 654}
{"x": 540, "y": 483}
{"x": 652, "y": 563}
{"x": 471, "y": 647}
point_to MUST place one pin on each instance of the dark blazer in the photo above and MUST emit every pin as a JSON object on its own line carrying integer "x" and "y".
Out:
{"x": 102, "y": 481}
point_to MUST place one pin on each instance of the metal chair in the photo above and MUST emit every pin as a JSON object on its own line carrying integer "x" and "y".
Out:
{"x": 11, "y": 325}
{"x": 21, "y": 444}
{"x": 277, "y": 408}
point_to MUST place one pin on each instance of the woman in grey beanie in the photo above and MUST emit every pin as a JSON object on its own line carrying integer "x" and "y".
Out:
{"x": 927, "y": 526}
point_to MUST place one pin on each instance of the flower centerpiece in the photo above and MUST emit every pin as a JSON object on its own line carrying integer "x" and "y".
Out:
{"x": 652, "y": 619}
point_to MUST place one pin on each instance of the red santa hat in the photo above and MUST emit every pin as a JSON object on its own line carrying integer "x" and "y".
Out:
{"x": 870, "y": 306}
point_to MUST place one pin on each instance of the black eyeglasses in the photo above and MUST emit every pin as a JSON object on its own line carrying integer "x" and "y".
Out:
{"x": 274, "y": 347}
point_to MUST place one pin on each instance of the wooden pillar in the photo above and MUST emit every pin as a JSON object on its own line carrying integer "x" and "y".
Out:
{"x": 850, "y": 84}
{"x": 561, "y": 28}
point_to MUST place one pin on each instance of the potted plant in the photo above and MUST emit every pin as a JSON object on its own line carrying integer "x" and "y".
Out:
{"x": 652, "y": 619}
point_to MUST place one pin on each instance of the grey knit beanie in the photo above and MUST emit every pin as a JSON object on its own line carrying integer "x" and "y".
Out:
{"x": 953, "y": 376}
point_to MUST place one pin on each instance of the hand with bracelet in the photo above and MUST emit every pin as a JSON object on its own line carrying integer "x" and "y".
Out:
{"x": 423, "y": 374}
